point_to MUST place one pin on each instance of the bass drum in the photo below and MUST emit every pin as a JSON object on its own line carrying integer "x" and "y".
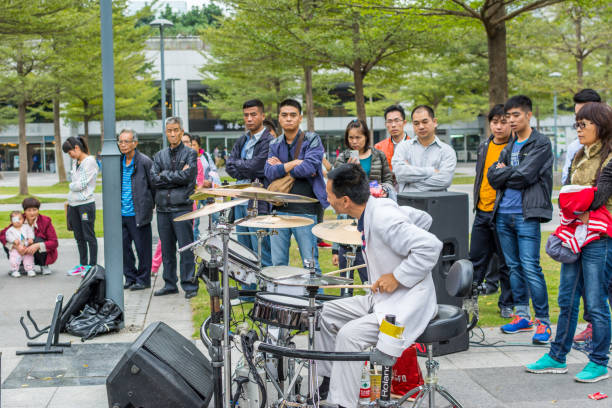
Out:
{"x": 242, "y": 262}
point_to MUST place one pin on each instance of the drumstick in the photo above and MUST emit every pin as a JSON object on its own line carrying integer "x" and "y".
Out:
{"x": 344, "y": 270}
{"x": 347, "y": 286}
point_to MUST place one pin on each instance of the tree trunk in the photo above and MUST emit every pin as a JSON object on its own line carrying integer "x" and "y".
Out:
{"x": 57, "y": 136}
{"x": 309, "y": 99}
{"x": 23, "y": 151}
{"x": 85, "y": 122}
{"x": 498, "y": 63}
{"x": 579, "y": 51}
{"x": 357, "y": 73}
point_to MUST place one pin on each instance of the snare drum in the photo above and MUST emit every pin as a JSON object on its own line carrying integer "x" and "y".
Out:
{"x": 242, "y": 262}
{"x": 289, "y": 312}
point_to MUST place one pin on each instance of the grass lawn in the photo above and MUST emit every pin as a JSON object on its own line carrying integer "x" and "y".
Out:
{"x": 489, "y": 313}
{"x": 59, "y": 222}
{"x": 460, "y": 179}
{"x": 19, "y": 198}
{"x": 57, "y": 188}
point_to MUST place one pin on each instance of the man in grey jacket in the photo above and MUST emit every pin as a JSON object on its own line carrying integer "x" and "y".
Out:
{"x": 400, "y": 255}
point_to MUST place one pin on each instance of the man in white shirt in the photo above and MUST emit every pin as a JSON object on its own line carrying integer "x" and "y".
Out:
{"x": 424, "y": 163}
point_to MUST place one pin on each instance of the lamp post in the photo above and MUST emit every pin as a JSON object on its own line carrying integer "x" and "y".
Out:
{"x": 161, "y": 23}
{"x": 555, "y": 75}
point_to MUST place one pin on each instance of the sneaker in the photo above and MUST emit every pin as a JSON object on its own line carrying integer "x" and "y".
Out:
{"x": 45, "y": 270}
{"x": 77, "y": 270}
{"x": 86, "y": 269}
{"x": 323, "y": 244}
{"x": 547, "y": 365}
{"x": 15, "y": 274}
{"x": 31, "y": 273}
{"x": 506, "y": 312}
{"x": 586, "y": 334}
{"x": 543, "y": 333}
{"x": 592, "y": 373}
{"x": 518, "y": 324}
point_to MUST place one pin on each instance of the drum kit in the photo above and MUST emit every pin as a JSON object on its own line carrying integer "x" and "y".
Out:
{"x": 288, "y": 306}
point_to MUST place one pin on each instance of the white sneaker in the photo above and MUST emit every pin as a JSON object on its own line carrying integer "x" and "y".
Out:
{"x": 15, "y": 274}
{"x": 45, "y": 270}
{"x": 31, "y": 273}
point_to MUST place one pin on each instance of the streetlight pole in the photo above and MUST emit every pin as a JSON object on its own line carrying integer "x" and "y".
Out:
{"x": 161, "y": 23}
{"x": 111, "y": 164}
{"x": 555, "y": 75}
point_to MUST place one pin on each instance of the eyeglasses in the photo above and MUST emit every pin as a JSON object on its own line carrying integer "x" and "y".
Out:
{"x": 580, "y": 125}
{"x": 392, "y": 121}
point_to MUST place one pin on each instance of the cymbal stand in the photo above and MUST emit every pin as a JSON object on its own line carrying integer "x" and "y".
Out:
{"x": 312, "y": 310}
{"x": 350, "y": 259}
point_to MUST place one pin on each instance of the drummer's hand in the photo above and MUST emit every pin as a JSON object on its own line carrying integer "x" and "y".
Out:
{"x": 335, "y": 259}
{"x": 385, "y": 284}
{"x": 273, "y": 161}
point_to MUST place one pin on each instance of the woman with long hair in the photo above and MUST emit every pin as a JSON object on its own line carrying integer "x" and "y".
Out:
{"x": 81, "y": 212}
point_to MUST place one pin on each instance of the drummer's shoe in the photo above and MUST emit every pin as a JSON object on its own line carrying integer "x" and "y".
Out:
{"x": 165, "y": 291}
{"x": 190, "y": 294}
{"x": 324, "y": 388}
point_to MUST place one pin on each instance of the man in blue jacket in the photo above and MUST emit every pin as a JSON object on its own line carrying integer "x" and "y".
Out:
{"x": 300, "y": 155}
{"x": 246, "y": 164}
{"x": 137, "y": 204}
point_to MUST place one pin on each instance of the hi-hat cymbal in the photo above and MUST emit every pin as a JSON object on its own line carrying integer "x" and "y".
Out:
{"x": 209, "y": 209}
{"x": 274, "y": 273}
{"x": 340, "y": 231}
{"x": 307, "y": 279}
{"x": 277, "y": 221}
{"x": 253, "y": 193}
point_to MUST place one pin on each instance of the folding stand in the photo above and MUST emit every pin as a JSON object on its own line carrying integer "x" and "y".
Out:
{"x": 53, "y": 333}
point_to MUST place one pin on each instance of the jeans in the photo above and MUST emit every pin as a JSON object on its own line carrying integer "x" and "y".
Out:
{"x": 143, "y": 241}
{"x": 250, "y": 241}
{"x": 484, "y": 243}
{"x": 171, "y": 233}
{"x": 307, "y": 243}
{"x": 520, "y": 240}
{"x": 590, "y": 274}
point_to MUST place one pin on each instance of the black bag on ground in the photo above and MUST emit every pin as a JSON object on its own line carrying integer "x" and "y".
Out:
{"x": 95, "y": 320}
{"x": 91, "y": 291}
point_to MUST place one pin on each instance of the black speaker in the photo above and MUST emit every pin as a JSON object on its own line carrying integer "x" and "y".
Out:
{"x": 160, "y": 369}
{"x": 450, "y": 214}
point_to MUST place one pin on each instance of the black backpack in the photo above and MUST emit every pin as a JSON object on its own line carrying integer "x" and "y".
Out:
{"x": 91, "y": 291}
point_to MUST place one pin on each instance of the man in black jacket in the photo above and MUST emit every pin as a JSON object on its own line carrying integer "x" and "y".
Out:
{"x": 136, "y": 211}
{"x": 246, "y": 164}
{"x": 484, "y": 243}
{"x": 173, "y": 176}
{"x": 523, "y": 179}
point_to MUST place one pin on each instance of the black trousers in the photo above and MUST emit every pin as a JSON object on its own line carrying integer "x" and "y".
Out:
{"x": 82, "y": 219}
{"x": 143, "y": 241}
{"x": 484, "y": 244}
{"x": 40, "y": 258}
{"x": 171, "y": 233}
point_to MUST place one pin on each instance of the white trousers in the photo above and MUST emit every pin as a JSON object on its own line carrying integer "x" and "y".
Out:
{"x": 346, "y": 325}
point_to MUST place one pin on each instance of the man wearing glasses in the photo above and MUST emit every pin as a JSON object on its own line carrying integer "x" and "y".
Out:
{"x": 424, "y": 163}
{"x": 136, "y": 211}
{"x": 395, "y": 121}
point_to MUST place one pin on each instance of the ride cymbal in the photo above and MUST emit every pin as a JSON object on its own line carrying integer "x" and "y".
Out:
{"x": 340, "y": 231}
{"x": 253, "y": 193}
{"x": 277, "y": 221}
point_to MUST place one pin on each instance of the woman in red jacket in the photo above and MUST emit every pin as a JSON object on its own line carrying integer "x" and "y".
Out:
{"x": 44, "y": 247}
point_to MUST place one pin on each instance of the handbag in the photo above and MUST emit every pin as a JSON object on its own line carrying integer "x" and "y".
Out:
{"x": 285, "y": 184}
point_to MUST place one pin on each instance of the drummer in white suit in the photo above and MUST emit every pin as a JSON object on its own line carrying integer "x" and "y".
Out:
{"x": 400, "y": 254}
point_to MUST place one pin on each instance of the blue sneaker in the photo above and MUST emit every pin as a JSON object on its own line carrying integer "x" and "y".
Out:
{"x": 517, "y": 325}
{"x": 592, "y": 373}
{"x": 543, "y": 333}
{"x": 547, "y": 364}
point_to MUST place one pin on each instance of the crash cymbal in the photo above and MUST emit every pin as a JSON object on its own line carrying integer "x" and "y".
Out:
{"x": 340, "y": 231}
{"x": 272, "y": 273}
{"x": 307, "y": 279}
{"x": 277, "y": 221}
{"x": 209, "y": 209}
{"x": 253, "y": 193}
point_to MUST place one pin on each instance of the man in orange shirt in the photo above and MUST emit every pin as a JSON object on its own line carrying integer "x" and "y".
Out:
{"x": 395, "y": 121}
{"x": 484, "y": 241}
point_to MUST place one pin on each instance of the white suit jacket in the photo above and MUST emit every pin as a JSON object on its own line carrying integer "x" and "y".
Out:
{"x": 397, "y": 242}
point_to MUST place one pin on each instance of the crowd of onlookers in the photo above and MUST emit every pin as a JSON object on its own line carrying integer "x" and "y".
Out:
{"x": 512, "y": 197}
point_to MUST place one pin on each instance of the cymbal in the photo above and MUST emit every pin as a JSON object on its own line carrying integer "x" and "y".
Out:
{"x": 277, "y": 221}
{"x": 209, "y": 209}
{"x": 202, "y": 194}
{"x": 340, "y": 231}
{"x": 253, "y": 193}
{"x": 273, "y": 273}
{"x": 308, "y": 280}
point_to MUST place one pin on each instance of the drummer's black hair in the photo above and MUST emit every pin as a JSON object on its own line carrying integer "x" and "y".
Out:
{"x": 350, "y": 180}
